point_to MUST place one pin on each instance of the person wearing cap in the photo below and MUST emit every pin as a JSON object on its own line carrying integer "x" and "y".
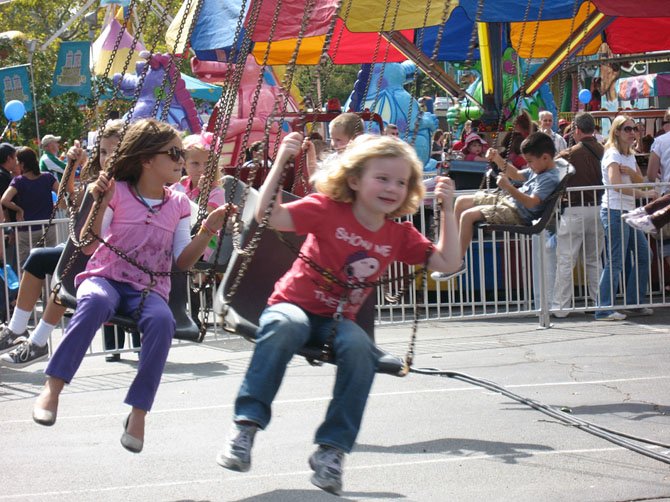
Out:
{"x": 546, "y": 124}
{"x": 49, "y": 162}
{"x": 562, "y": 124}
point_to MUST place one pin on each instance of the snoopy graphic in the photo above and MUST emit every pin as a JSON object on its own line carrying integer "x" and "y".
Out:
{"x": 358, "y": 267}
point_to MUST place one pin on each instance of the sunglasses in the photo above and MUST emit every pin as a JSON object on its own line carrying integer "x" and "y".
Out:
{"x": 630, "y": 129}
{"x": 174, "y": 153}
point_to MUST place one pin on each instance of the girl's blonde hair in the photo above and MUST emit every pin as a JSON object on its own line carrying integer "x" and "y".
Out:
{"x": 333, "y": 180}
{"x": 614, "y": 141}
{"x": 204, "y": 143}
{"x": 142, "y": 140}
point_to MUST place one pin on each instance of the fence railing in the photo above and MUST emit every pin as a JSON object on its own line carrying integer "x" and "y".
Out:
{"x": 503, "y": 277}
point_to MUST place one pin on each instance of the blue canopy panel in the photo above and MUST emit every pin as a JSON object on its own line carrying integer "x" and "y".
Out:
{"x": 456, "y": 36}
{"x": 215, "y": 28}
{"x": 508, "y": 11}
{"x": 202, "y": 90}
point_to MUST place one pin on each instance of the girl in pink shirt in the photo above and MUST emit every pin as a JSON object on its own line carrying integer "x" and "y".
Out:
{"x": 351, "y": 232}
{"x": 149, "y": 223}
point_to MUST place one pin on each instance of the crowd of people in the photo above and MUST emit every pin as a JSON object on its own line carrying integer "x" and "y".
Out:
{"x": 147, "y": 196}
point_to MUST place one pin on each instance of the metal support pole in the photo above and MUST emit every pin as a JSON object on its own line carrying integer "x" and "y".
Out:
{"x": 31, "y": 46}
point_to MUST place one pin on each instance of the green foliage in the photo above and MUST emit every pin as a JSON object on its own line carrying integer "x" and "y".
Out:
{"x": 39, "y": 19}
{"x": 337, "y": 81}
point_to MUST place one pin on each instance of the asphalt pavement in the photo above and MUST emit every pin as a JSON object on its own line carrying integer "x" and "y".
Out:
{"x": 424, "y": 438}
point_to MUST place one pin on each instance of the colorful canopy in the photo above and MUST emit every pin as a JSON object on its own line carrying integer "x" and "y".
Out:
{"x": 536, "y": 27}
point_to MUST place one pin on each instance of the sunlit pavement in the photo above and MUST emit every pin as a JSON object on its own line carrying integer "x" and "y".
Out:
{"x": 424, "y": 438}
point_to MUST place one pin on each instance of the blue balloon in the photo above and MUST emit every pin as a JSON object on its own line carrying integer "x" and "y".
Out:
{"x": 14, "y": 110}
{"x": 584, "y": 96}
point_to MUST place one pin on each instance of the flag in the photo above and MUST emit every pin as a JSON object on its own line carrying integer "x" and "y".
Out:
{"x": 73, "y": 72}
{"x": 15, "y": 84}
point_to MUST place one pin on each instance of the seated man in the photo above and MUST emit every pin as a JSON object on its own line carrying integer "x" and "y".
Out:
{"x": 520, "y": 206}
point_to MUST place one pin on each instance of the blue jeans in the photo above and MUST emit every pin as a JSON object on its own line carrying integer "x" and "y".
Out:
{"x": 284, "y": 329}
{"x": 623, "y": 246}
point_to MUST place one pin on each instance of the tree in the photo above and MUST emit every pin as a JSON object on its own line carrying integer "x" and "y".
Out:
{"x": 39, "y": 20}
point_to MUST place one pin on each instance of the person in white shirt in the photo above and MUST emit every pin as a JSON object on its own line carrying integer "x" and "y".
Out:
{"x": 659, "y": 158}
{"x": 546, "y": 124}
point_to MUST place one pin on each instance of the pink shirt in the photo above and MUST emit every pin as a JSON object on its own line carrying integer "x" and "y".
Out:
{"x": 145, "y": 236}
{"x": 339, "y": 243}
{"x": 217, "y": 197}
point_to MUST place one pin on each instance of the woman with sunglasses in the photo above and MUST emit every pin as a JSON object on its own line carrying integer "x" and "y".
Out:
{"x": 141, "y": 218}
{"x": 618, "y": 167}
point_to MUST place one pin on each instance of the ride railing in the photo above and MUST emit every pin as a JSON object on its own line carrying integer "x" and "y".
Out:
{"x": 502, "y": 279}
{"x": 503, "y": 276}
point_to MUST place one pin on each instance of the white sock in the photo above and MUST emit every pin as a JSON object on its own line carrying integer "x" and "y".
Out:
{"x": 19, "y": 321}
{"x": 42, "y": 333}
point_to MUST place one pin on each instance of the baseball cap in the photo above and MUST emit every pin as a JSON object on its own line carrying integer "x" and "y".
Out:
{"x": 473, "y": 136}
{"x": 562, "y": 122}
{"x": 49, "y": 138}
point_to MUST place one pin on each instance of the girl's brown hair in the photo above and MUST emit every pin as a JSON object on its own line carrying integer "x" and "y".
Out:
{"x": 112, "y": 129}
{"x": 142, "y": 140}
{"x": 333, "y": 180}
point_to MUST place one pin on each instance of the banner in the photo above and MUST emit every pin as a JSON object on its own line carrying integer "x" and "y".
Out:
{"x": 73, "y": 72}
{"x": 15, "y": 84}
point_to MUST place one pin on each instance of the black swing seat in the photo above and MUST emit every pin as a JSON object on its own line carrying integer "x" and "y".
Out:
{"x": 186, "y": 329}
{"x": 269, "y": 262}
{"x": 547, "y": 214}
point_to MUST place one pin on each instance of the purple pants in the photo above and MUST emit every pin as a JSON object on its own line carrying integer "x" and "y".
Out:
{"x": 97, "y": 300}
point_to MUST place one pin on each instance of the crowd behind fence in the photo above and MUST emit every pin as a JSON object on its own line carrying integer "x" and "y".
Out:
{"x": 503, "y": 278}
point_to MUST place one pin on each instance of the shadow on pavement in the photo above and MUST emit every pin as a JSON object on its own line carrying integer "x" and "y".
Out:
{"x": 508, "y": 452}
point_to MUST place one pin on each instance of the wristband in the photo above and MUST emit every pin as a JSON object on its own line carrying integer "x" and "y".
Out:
{"x": 203, "y": 226}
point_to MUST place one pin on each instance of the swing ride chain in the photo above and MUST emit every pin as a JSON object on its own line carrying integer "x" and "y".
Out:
{"x": 89, "y": 235}
{"x": 315, "y": 77}
{"x": 166, "y": 99}
{"x": 419, "y": 43}
{"x": 564, "y": 66}
{"x": 224, "y": 109}
{"x": 375, "y": 56}
{"x": 89, "y": 121}
{"x": 286, "y": 82}
{"x": 91, "y": 115}
{"x": 210, "y": 174}
{"x": 224, "y": 106}
{"x": 211, "y": 272}
{"x": 252, "y": 115}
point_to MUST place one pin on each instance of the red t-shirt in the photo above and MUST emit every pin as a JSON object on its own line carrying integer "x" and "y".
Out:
{"x": 339, "y": 243}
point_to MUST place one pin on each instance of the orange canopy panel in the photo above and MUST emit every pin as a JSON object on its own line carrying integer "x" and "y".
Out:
{"x": 549, "y": 35}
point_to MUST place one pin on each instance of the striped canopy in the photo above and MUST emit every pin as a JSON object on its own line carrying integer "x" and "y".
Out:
{"x": 535, "y": 28}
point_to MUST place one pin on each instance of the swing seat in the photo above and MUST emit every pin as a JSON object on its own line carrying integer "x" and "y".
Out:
{"x": 186, "y": 329}
{"x": 545, "y": 219}
{"x": 234, "y": 189}
{"x": 270, "y": 261}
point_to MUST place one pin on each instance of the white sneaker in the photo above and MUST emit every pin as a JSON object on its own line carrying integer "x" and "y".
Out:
{"x": 614, "y": 316}
{"x": 635, "y": 213}
{"x": 642, "y": 223}
{"x": 560, "y": 314}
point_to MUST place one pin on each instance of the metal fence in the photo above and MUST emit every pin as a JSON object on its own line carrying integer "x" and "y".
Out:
{"x": 503, "y": 277}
